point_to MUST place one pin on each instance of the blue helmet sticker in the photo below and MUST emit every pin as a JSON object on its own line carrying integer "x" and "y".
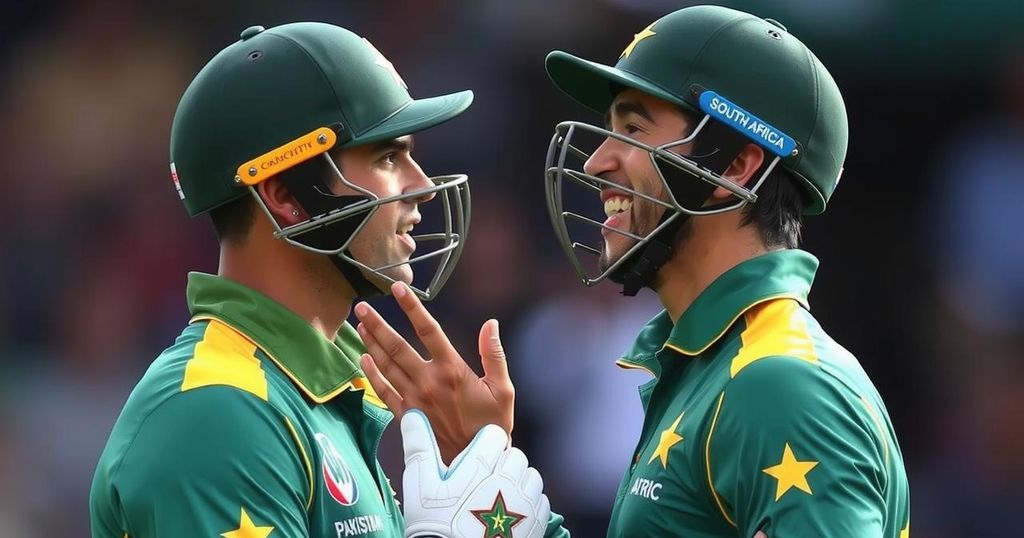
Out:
{"x": 747, "y": 124}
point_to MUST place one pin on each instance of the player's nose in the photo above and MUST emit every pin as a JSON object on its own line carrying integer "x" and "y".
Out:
{"x": 417, "y": 180}
{"x": 604, "y": 159}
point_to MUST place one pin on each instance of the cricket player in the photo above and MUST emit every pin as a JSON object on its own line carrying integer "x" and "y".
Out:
{"x": 257, "y": 421}
{"x": 721, "y": 130}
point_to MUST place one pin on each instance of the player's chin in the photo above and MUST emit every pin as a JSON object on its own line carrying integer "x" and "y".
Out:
{"x": 612, "y": 251}
{"x": 402, "y": 273}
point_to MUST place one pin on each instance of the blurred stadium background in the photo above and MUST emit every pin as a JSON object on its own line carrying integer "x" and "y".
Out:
{"x": 922, "y": 254}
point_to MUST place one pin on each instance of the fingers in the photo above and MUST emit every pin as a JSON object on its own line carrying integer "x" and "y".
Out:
{"x": 426, "y": 327}
{"x": 760, "y": 534}
{"x": 486, "y": 448}
{"x": 389, "y": 350}
{"x": 492, "y": 358}
{"x": 492, "y": 354}
{"x": 384, "y": 389}
{"x": 544, "y": 512}
{"x": 515, "y": 464}
{"x": 418, "y": 439}
{"x": 532, "y": 485}
{"x": 390, "y": 365}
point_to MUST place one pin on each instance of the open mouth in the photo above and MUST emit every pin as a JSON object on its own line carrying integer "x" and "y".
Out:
{"x": 404, "y": 234}
{"x": 617, "y": 206}
{"x": 617, "y": 203}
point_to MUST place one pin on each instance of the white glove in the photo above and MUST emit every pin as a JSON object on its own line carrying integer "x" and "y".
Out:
{"x": 489, "y": 490}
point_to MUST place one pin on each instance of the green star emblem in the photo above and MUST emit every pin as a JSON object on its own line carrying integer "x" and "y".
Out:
{"x": 498, "y": 520}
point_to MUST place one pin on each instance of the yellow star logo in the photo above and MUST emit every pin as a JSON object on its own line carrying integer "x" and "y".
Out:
{"x": 669, "y": 438}
{"x": 791, "y": 473}
{"x": 644, "y": 34}
{"x": 248, "y": 529}
{"x": 499, "y": 522}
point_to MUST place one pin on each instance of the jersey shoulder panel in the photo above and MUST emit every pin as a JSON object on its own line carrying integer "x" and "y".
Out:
{"x": 776, "y": 328}
{"x": 791, "y": 448}
{"x": 204, "y": 455}
{"x": 205, "y": 403}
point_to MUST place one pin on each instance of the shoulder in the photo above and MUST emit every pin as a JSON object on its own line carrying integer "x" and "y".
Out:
{"x": 207, "y": 391}
{"x": 787, "y": 380}
{"x": 783, "y": 350}
{"x": 200, "y": 420}
{"x": 216, "y": 438}
{"x": 210, "y": 423}
{"x": 784, "y": 401}
{"x": 207, "y": 354}
{"x": 202, "y": 454}
{"x": 789, "y": 374}
{"x": 226, "y": 357}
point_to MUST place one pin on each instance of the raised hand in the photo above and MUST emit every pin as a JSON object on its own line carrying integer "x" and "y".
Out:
{"x": 444, "y": 387}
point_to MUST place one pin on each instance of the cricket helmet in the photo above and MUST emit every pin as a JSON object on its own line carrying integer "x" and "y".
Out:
{"x": 282, "y": 97}
{"x": 747, "y": 79}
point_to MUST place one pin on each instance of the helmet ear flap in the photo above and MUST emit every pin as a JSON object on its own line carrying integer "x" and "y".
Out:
{"x": 715, "y": 148}
{"x": 308, "y": 183}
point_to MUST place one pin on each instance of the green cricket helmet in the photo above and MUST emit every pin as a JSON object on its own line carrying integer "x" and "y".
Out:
{"x": 747, "y": 79}
{"x": 276, "y": 102}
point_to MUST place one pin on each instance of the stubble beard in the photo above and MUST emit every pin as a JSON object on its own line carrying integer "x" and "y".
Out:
{"x": 678, "y": 242}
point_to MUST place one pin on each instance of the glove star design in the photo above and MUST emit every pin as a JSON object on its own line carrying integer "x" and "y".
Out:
{"x": 498, "y": 520}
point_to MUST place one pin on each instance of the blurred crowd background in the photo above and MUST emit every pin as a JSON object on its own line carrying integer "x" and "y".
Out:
{"x": 922, "y": 254}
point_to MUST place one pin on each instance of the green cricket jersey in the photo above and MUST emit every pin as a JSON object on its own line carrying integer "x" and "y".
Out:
{"x": 250, "y": 425}
{"x": 757, "y": 420}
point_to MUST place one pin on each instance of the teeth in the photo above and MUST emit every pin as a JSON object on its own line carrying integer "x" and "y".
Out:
{"x": 617, "y": 204}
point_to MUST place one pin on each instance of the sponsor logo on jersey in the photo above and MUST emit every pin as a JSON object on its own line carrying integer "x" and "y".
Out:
{"x": 746, "y": 123}
{"x": 358, "y": 526}
{"x": 338, "y": 478}
{"x": 646, "y": 488}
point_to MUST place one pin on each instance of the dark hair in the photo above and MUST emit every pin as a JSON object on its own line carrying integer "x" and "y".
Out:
{"x": 778, "y": 211}
{"x": 232, "y": 221}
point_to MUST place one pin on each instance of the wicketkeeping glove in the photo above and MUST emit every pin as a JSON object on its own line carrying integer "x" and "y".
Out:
{"x": 489, "y": 490}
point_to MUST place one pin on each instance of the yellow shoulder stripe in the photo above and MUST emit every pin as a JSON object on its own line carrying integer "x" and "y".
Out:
{"x": 774, "y": 328}
{"x": 305, "y": 461}
{"x": 881, "y": 428}
{"x": 707, "y": 462}
{"x": 225, "y": 357}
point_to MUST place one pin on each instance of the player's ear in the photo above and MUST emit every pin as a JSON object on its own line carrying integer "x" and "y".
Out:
{"x": 742, "y": 170}
{"x": 280, "y": 202}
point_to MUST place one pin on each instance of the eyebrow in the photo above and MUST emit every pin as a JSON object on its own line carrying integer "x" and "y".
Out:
{"x": 622, "y": 109}
{"x": 404, "y": 143}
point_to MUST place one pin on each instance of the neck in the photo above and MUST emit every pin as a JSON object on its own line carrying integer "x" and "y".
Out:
{"x": 717, "y": 243}
{"x": 303, "y": 282}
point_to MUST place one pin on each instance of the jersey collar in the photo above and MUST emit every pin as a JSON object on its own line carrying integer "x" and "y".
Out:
{"x": 774, "y": 275}
{"x": 321, "y": 368}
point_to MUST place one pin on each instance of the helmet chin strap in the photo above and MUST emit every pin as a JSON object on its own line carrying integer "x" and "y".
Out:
{"x": 640, "y": 269}
{"x": 719, "y": 146}
{"x": 360, "y": 284}
{"x": 311, "y": 196}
